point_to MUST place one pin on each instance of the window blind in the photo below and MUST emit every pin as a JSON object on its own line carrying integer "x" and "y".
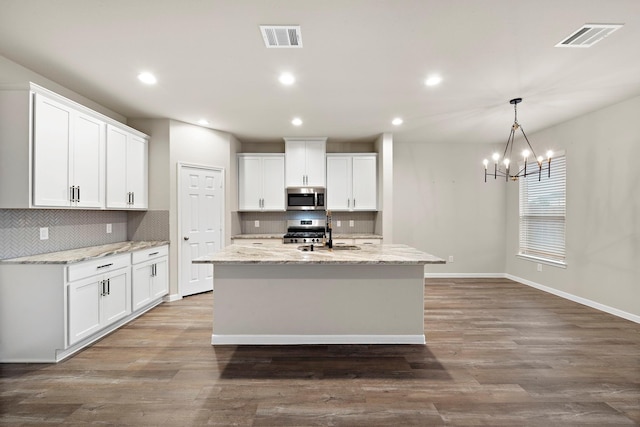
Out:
{"x": 543, "y": 212}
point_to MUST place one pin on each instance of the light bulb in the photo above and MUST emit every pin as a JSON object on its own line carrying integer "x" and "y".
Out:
{"x": 287, "y": 79}
{"x": 496, "y": 156}
{"x": 540, "y": 159}
{"x": 506, "y": 162}
{"x": 485, "y": 162}
{"x": 525, "y": 153}
{"x": 397, "y": 121}
{"x": 296, "y": 121}
{"x": 147, "y": 78}
{"x": 549, "y": 154}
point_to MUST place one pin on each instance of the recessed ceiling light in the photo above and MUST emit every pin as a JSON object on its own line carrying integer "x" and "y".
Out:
{"x": 433, "y": 80}
{"x": 296, "y": 121}
{"x": 203, "y": 122}
{"x": 397, "y": 121}
{"x": 147, "y": 78}
{"x": 287, "y": 79}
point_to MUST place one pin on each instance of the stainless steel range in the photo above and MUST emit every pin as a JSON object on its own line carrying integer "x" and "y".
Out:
{"x": 305, "y": 231}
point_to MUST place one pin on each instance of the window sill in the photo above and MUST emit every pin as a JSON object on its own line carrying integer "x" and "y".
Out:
{"x": 553, "y": 263}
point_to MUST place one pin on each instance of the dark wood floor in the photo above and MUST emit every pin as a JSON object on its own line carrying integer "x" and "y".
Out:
{"x": 498, "y": 353}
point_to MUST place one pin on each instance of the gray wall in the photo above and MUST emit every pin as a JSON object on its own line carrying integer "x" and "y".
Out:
{"x": 603, "y": 209}
{"x": 442, "y": 206}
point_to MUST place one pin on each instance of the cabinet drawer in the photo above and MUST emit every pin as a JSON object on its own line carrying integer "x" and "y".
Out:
{"x": 98, "y": 266}
{"x": 367, "y": 241}
{"x": 257, "y": 242}
{"x": 147, "y": 254}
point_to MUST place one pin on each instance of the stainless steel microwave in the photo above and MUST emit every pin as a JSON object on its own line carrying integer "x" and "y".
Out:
{"x": 306, "y": 198}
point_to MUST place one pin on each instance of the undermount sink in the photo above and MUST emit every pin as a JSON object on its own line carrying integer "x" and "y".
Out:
{"x": 307, "y": 248}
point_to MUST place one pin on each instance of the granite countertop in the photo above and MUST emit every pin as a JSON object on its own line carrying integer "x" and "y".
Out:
{"x": 279, "y": 236}
{"x": 83, "y": 254}
{"x": 290, "y": 254}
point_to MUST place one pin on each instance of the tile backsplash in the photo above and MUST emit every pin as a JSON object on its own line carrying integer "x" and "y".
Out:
{"x": 71, "y": 229}
{"x": 276, "y": 222}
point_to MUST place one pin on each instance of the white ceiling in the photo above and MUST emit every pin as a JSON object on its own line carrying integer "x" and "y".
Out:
{"x": 363, "y": 62}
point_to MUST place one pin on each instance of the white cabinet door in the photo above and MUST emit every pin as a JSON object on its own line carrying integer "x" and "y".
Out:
{"x": 364, "y": 183}
{"x": 338, "y": 182}
{"x": 51, "y": 135}
{"x": 352, "y": 182}
{"x": 117, "y": 194}
{"x": 249, "y": 183}
{"x": 273, "y": 194}
{"x": 141, "y": 285}
{"x": 305, "y": 162}
{"x": 88, "y": 161}
{"x": 261, "y": 182}
{"x": 160, "y": 279}
{"x": 137, "y": 171}
{"x": 115, "y": 302}
{"x": 127, "y": 170}
{"x": 296, "y": 163}
{"x": 149, "y": 281}
{"x": 315, "y": 163}
{"x": 84, "y": 308}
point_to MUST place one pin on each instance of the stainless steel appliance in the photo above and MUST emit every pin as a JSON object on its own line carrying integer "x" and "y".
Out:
{"x": 306, "y": 198}
{"x": 305, "y": 231}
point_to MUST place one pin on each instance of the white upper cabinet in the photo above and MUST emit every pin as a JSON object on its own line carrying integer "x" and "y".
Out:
{"x": 53, "y": 153}
{"x": 127, "y": 185}
{"x": 69, "y": 156}
{"x": 352, "y": 182}
{"x": 261, "y": 182}
{"x": 305, "y": 162}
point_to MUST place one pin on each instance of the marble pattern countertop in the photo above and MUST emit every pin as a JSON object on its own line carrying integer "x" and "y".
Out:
{"x": 279, "y": 236}
{"x": 83, "y": 254}
{"x": 290, "y": 254}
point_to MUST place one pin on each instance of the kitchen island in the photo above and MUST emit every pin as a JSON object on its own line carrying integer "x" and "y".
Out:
{"x": 371, "y": 294}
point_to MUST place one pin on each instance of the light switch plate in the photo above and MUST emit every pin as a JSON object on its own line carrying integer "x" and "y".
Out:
{"x": 352, "y": 223}
{"x": 256, "y": 224}
{"x": 44, "y": 233}
{"x": 109, "y": 228}
{"x": 338, "y": 223}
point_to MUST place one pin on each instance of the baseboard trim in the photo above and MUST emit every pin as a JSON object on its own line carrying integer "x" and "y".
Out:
{"x": 464, "y": 275}
{"x": 172, "y": 297}
{"x": 314, "y": 339}
{"x": 584, "y": 301}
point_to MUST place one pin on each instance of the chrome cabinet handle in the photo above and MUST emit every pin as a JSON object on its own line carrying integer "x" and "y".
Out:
{"x": 154, "y": 253}
{"x": 186, "y": 238}
{"x": 103, "y": 266}
{"x": 78, "y": 195}
{"x": 108, "y": 286}
{"x": 354, "y": 203}
{"x": 348, "y": 203}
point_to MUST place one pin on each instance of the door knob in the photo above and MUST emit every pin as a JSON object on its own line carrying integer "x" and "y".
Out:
{"x": 186, "y": 237}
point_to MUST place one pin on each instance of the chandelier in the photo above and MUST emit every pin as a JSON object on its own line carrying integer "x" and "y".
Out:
{"x": 503, "y": 168}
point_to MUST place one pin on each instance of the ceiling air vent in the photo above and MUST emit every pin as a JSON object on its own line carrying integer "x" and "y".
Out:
{"x": 588, "y": 35}
{"x": 281, "y": 35}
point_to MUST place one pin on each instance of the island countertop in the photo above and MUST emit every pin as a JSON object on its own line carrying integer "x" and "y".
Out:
{"x": 290, "y": 254}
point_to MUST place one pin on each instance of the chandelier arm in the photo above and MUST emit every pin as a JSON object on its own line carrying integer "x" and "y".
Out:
{"x": 509, "y": 143}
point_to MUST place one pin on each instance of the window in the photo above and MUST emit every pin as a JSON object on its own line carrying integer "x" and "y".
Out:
{"x": 542, "y": 213}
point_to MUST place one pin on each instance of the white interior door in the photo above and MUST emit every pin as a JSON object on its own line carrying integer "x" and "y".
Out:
{"x": 202, "y": 219}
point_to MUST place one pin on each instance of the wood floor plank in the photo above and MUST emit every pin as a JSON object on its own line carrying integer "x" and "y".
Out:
{"x": 497, "y": 353}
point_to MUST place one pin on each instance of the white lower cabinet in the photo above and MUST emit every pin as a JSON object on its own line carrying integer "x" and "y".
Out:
{"x": 97, "y": 302}
{"x": 50, "y": 311}
{"x": 150, "y": 272}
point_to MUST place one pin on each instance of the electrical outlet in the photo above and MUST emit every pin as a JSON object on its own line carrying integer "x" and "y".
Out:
{"x": 450, "y": 258}
{"x": 109, "y": 228}
{"x": 44, "y": 233}
{"x": 338, "y": 223}
{"x": 352, "y": 223}
{"x": 256, "y": 223}
{"x": 539, "y": 267}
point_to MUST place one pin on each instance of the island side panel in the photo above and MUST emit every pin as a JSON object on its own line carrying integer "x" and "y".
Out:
{"x": 319, "y": 304}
